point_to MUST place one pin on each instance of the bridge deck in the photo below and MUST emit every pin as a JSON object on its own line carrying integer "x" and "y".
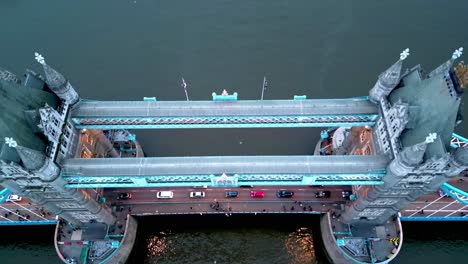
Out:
{"x": 103, "y": 109}
{"x": 240, "y": 170}
{"x": 224, "y": 114}
{"x": 227, "y": 164}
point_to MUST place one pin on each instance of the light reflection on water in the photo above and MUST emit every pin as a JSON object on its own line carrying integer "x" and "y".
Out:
{"x": 243, "y": 241}
{"x": 300, "y": 246}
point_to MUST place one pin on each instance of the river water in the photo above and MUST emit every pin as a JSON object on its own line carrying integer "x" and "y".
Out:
{"x": 129, "y": 49}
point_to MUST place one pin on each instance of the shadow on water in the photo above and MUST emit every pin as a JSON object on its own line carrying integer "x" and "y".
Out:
{"x": 240, "y": 239}
{"x": 27, "y": 244}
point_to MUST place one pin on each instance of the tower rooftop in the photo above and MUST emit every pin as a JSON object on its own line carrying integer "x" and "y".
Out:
{"x": 434, "y": 104}
{"x": 14, "y": 123}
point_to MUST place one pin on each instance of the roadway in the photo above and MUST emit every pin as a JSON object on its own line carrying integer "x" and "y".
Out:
{"x": 144, "y": 201}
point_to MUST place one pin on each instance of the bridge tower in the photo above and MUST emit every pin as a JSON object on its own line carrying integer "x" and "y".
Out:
{"x": 57, "y": 83}
{"x": 35, "y": 137}
{"x": 417, "y": 116}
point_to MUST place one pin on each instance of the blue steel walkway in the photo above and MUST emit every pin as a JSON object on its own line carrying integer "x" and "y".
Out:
{"x": 240, "y": 170}
{"x": 224, "y": 114}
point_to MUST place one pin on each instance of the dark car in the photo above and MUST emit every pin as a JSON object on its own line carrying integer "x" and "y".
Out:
{"x": 231, "y": 194}
{"x": 124, "y": 196}
{"x": 284, "y": 194}
{"x": 346, "y": 194}
{"x": 322, "y": 194}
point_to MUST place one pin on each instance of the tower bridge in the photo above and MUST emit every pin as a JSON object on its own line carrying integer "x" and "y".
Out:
{"x": 225, "y": 114}
{"x": 389, "y": 149}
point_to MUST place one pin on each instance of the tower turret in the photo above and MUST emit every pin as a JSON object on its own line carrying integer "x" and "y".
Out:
{"x": 388, "y": 79}
{"x": 445, "y": 67}
{"x": 58, "y": 83}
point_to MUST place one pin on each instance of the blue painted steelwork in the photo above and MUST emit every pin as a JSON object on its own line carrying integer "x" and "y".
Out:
{"x": 230, "y": 97}
{"x": 196, "y": 126}
{"x": 300, "y": 97}
{"x": 458, "y": 141}
{"x": 225, "y": 122}
{"x": 22, "y": 223}
{"x": 433, "y": 218}
{"x": 88, "y": 181}
{"x": 209, "y": 114}
{"x": 149, "y": 99}
{"x": 4, "y": 195}
{"x": 455, "y": 193}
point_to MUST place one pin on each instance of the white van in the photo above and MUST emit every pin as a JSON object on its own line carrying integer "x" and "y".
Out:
{"x": 165, "y": 195}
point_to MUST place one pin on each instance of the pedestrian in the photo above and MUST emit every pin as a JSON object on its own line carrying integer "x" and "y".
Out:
{"x": 292, "y": 208}
{"x": 191, "y": 208}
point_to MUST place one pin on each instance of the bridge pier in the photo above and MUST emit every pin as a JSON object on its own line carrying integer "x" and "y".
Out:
{"x": 121, "y": 255}
{"x": 362, "y": 243}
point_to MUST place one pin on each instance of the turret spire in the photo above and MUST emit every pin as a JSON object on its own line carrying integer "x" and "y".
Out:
{"x": 445, "y": 67}
{"x": 57, "y": 82}
{"x": 413, "y": 155}
{"x": 388, "y": 79}
{"x": 31, "y": 159}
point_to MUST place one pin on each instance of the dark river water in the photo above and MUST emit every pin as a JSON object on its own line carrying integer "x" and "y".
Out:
{"x": 129, "y": 49}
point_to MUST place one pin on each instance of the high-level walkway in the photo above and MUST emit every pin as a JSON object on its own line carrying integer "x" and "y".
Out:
{"x": 240, "y": 170}
{"x": 224, "y": 114}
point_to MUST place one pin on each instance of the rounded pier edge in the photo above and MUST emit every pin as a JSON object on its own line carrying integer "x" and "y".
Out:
{"x": 335, "y": 254}
{"x": 121, "y": 255}
{"x": 332, "y": 251}
{"x": 56, "y": 233}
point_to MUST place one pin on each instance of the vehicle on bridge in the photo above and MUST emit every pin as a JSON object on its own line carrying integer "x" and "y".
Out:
{"x": 322, "y": 194}
{"x": 124, "y": 196}
{"x": 285, "y": 194}
{"x": 257, "y": 194}
{"x": 346, "y": 194}
{"x": 231, "y": 194}
{"x": 197, "y": 194}
{"x": 14, "y": 198}
{"x": 165, "y": 195}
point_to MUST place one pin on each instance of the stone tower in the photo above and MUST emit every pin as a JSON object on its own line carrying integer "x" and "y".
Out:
{"x": 35, "y": 136}
{"x": 417, "y": 116}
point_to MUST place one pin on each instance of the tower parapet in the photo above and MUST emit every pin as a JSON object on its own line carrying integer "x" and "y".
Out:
{"x": 58, "y": 83}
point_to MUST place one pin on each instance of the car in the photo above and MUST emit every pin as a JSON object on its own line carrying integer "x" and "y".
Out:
{"x": 165, "y": 195}
{"x": 124, "y": 196}
{"x": 14, "y": 198}
{"x": 231, "y": 194}
{"x": 284, "y": 194}
{"x": 257, "y": 194}
{"x": 346, "y": 194}
{"x": 200, "y": 187}
{"x": 245, "y": 186}
{"x": 322, "y": 194}
{"x": 197, "y": 194}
